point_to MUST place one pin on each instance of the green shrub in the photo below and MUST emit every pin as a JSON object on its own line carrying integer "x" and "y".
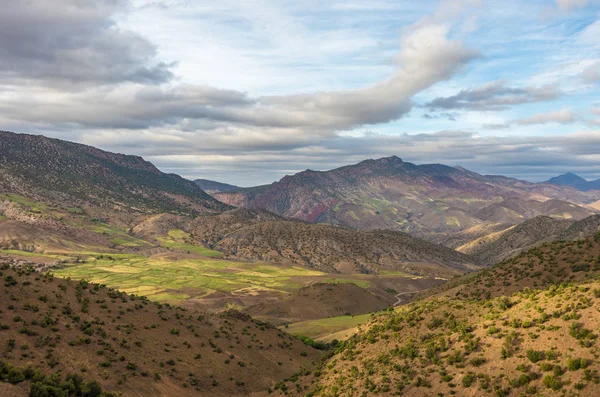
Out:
{"x": 533, "y": 355}
{"x": 552, "y": 382}
{"x": 469, "y": 379}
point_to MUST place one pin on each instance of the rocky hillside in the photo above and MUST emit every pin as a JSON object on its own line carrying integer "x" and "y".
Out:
{"x": 336, "y": 249}
{"x": 71, "y": 338}
{"x": 55, "y": 171}
{"x": 497, "y": 246}
{"x": 428, "y": 200}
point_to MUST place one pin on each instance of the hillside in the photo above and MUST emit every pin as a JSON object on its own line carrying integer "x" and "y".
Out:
{"x": 533, "y": 343}
{"x": 127, "y": 344}
{"x": 74, "y": 175}
{"x": 428, "y": 200}
{"x": 499, "y": 245}
{"x": 528, "y": 326}
{"x": 252, "y": 234}
{"x": 317, "y": 301}
{"x": 335, "y": 249}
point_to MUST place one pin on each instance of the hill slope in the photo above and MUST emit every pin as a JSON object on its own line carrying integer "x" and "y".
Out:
{"x": 135, "y": 347}
{"x": 55, "y": 171}
{"x": 488, "y": 333}
{"x": 335, "y": 249}
{"x": 497, "y": 246}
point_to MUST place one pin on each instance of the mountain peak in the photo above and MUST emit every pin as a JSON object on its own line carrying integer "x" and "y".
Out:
{"x": 568, "y": 179}
{"x": 390, "y": 159}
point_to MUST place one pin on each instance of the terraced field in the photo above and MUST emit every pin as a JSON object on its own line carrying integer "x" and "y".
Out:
{"x": 170, "y": 277}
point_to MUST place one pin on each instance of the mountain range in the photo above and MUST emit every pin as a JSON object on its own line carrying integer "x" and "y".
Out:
{"x": 425, "y": 200}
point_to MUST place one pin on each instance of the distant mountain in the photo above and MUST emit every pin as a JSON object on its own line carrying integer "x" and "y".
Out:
{"x": 56, "y": 171}
{"x": 427, "y": 200}
{"x": 570, "y": 179}
{"x": 215, "y": 187}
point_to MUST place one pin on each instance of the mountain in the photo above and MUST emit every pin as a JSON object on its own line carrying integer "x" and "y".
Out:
{"x": 215, "y": 187}
{"x": 528, "y": 326}
{"x": 59, "y": 334}
{"x": 74, "y": 175}
{"x": 428, "y": 200}
{"x": 570, "y": 179}
{"x": 339, "y": 250}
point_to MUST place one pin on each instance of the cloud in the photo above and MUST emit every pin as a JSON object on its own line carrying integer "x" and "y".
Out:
{"x": 565, "y": 5}
{"x": 427, "y": 56}
{"x": 535, "y": 158}
{"x": 591, "y": 74}
{"x": 562, "y": 116}
{"x": 495, "y": 96}
{"x": 73, "y": 42}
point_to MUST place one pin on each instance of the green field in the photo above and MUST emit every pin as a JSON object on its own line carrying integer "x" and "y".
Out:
{"x": 166, "y": 279}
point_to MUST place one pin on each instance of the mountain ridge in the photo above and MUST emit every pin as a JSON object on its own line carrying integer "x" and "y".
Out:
{"x": 426, "y": 200}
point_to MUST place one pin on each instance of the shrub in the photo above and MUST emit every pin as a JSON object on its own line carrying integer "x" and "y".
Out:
{"x": 552, "y": 382}
{"x": 533, "y": 355}
{"x": 468, "y": 379}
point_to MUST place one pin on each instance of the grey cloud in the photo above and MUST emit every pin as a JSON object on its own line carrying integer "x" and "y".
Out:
{"x": 562, "y": 116}
{"x": 494, "y": 96}
{"x": 73, "y": 42}
{"x": 537, "y": 158}
{"x": 427, "y": 56}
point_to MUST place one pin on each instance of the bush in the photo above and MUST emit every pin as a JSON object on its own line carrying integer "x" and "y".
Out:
{"x": 533, "y": 355}
{"x": 469, "y": 379}
{"x": 552, "y": 382}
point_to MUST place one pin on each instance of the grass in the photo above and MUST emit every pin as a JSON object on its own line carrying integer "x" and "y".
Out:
{"x": 165, "y": 279}
{"x": 176, "y": 241}
{"x": 361, "y": 283}
{"x": 15, "y": 198}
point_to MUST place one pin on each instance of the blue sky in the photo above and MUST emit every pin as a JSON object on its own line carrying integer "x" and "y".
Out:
{"x": 246, "y": 91}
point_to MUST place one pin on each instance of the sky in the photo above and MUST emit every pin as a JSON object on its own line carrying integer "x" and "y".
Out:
{"x": 247, "y": 91}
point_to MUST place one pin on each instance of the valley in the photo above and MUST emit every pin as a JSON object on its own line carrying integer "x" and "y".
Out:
{"x": 322, "y": 293}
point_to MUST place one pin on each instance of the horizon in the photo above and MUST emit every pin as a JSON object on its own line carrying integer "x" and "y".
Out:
{"x": 248, "y": 92}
